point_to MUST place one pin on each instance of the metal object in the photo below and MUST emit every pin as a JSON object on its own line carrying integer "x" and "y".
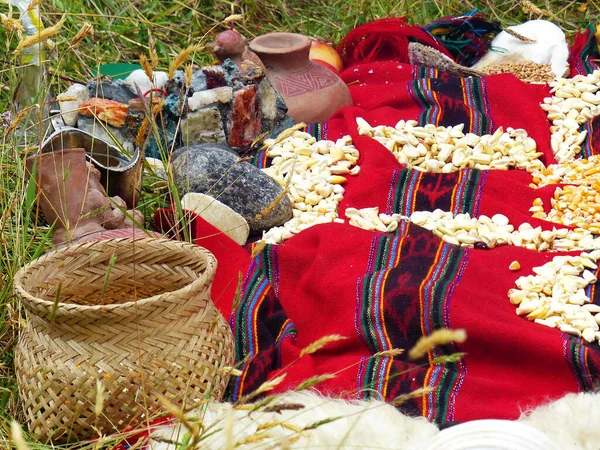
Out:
{"x": 56, "y": 119}
{"x": 121, "y": 175}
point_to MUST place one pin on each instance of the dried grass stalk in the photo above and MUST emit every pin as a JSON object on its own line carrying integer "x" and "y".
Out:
{"x": 11, "y": 25}
{"x": 87, "y": 29}
{"x": 146, "y": 66}
{"x": 16, "y": 435}
{"x": 189, "y": 72}
{"x": 414, "y": 394}
{"x": 320, "y": 343}
{"x": 389, "y": 353}
{"x": 181, "y": 57}
{"x": 233, "y": 18}
{"x": 153, "y": 54}
{"x": 442, "y": 336}
{"x": 41, "y": 36}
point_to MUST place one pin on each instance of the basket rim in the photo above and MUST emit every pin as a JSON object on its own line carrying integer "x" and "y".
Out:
{"x": 207, "y": 276}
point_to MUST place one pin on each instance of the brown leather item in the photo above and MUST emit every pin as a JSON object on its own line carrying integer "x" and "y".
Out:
{"x": 71, "y": 197}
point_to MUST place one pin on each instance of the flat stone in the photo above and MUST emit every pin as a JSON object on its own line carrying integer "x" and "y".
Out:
{"x": 208, "y": 169}
{"x": 218, "y": 215}
{"x": 244, "y": 126}
{"x": 110, "y": 90}
{"x": 210, "y": 96}
{"x": 203, "y": 126}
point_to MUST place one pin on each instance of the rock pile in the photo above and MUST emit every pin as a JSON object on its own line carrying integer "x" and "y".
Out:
{"x": 220, "y": 104}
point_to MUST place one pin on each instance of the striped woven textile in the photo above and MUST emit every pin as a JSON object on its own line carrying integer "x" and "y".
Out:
{"x": 384, "y": 291}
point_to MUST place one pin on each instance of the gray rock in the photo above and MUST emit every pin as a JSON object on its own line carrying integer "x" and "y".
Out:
{"x": 208, "y": 169}
{"x": 110, "y": 90}
{"x": 175, "y": 86}
{"x": 198, "y": 81}
{"x": 268, "y": 105}
{"x": 203, "y": 126}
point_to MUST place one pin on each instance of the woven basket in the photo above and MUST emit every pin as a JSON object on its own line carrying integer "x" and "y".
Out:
{"x": 134, "y": 316}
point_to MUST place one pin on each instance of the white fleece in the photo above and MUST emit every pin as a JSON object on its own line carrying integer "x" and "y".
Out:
{"x": 571, "y": 422}
{"x": 550, "y": 47}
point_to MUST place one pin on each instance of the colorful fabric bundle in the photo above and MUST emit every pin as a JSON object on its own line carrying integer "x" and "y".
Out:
{"x": 384, "y": 39}
{"x": 467, "y": 36}
{"x": 584, "y": 56}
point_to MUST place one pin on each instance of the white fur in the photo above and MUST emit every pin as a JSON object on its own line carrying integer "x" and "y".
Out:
{"x": 371, "y": 424}
{"x": 550, "y": 47}
{"x": 571, "y": 423}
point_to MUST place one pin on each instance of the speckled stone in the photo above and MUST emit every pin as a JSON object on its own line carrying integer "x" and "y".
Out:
{"x": 110, "y": 90}
{"x": 211, "y": 170}
{"x": 203, "y": 126}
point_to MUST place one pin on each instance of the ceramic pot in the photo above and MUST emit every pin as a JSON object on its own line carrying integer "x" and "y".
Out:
{"x": 311, "y": 92}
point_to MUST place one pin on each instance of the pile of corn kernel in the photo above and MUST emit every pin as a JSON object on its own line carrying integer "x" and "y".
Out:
{"x": 577, "y": 171}
{"x": 441, "y": 149}
{"x": 555, "y": 296}
{"x": 313, "y": 173}
{"x": 574, "y": 101}
{"x": 467, "y": 231}
{"x": 577, "y": 206}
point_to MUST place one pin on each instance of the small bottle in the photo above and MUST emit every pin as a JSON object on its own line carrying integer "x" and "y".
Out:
{"x": 33, "y": 91}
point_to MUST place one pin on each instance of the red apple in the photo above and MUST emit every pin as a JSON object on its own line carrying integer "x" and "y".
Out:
{"x": 326, "y": 55}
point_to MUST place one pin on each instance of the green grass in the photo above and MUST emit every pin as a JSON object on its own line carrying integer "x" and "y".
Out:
{"x": 121, "y": 34}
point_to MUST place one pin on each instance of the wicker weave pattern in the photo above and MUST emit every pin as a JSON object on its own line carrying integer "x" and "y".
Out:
{"x": 154, "y": 330}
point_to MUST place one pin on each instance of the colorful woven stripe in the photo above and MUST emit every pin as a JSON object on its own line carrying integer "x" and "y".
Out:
{"x": 424, "y": 72}
{"x": 436, "y": 296}
{"x": 317, "y": 130}
{"x": 373, "y": 376}
{"x": 399, "y": 298}
{"x": 589, "y": 146}
{"x": 584, "y": 55}
{"x": 422, "y": 94}
{"x": 412, "y": 190}
{"x": 467, "y": 193}
{"x": 258, "y": 304}
{"x": 387, "y": 312}
{"x": 437, "y": 98}
{"x": 479, "y": 107}
{"x": 369, "y": 319}
{"x": 259, "y": 159}
{"x": 577, "y": 357}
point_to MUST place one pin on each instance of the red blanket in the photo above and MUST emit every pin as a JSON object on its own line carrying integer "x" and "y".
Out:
{"x": 384, "y": 291}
